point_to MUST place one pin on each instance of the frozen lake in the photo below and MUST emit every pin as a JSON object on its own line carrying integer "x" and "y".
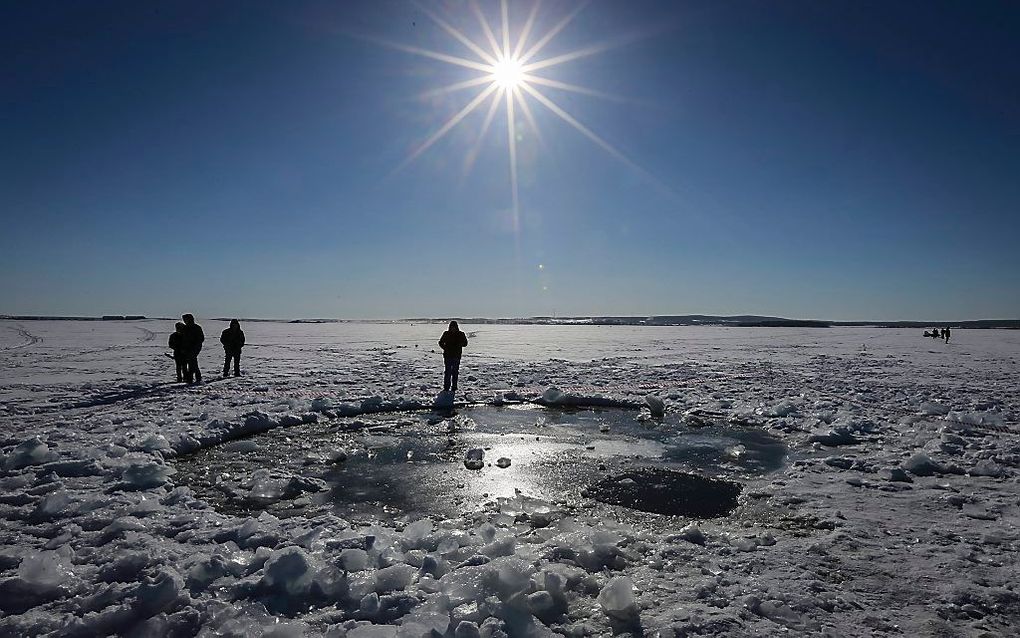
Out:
{"x": 874, "y": 474}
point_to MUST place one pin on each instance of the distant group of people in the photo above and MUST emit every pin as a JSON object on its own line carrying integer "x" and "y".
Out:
{"x": 938, "y": 333}
{"x": 186, "y": 342}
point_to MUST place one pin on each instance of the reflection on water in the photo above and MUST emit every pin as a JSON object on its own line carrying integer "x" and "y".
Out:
{"x": 387, "y": 465}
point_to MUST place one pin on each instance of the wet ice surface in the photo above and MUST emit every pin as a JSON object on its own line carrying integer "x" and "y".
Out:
{"x": 413, "y": 464}
{"x": 895, "y": 513}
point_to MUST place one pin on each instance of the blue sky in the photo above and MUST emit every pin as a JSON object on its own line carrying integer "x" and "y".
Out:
{"x": 841, "y": 160}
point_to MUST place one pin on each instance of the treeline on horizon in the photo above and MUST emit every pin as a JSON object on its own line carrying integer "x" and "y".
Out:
{"x": 736, "y": 321}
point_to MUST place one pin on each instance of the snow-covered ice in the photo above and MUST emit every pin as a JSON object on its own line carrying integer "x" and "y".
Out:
{"x": 878, "y": 485}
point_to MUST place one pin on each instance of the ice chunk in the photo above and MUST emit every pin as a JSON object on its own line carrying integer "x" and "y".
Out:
{"x": 503, "y": 462}
{"x": 242, "y": 446}
{"x": 617, "y": 599}
{"x": 928, "y": 407}
{"x": 473, "y": 458}
{"x": 354, "y": 560}
{"x": 833, "y": 437}
{"x": 154, "y": 443}
{"x": 141, "y": 476}
{"x": 46, "y": 570}
{"x": 263, "y": 486}
{"x": 394, "y": 578}
{"x": 424, "y": 623}
{"x": 288, "y": 570}
{"x": 160, "y": 593}
{"x": 467, "y": 629}
{"x": 29, "y": 452}
{"x": 321, "y": 404}
{"x": 507, "y": 576}
{"x": 52, "y": 506}
{"x": 552, "y": 395}
{"x": 921, "y": 464}
{"x": 986, "y": 467}
{"x": 655, "y": 406}
{"x": 417, "y": 531}
{"x": 373, "y": 631}
{"x": 463, "y": 585}
{"x": 693, "y": 534}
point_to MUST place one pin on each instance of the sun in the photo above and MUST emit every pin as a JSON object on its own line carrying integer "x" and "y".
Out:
{"x": 508, "y": 73}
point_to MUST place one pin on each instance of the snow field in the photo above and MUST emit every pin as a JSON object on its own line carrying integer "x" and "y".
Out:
{"x": 898, "y": 512}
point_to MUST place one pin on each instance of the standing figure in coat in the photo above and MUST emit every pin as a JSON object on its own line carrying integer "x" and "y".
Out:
{"x": 176, "y": 343}
{"x": 453, "y": 343}
{"x": 233, "y": 340}
{"x": 193, "y": 338}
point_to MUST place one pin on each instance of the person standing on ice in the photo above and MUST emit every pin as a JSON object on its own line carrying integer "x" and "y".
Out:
{"x": 193, "y": 338}
{"x": 945, "y": 333}
{"x": 453, "y": 343}
{"x": 233, "y": 340}
{"x": 176, "y": 343}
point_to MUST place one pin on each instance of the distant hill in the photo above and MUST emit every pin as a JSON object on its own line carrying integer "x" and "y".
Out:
{"x": 741, "y": 321}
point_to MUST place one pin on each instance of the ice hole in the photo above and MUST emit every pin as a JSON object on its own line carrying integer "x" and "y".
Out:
{"x": 413, "y": 464}
{"x": 664, "y": 491}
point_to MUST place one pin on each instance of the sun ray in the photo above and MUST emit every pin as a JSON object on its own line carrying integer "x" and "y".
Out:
{"x": 585, "y": 52}
{"x": 544, "y": 40}
{"x": 526, "y": 30}
{"x": 588, "y": 51}
{"x": 530, "y": 117}
{"x": 450, "y": 123}
{"x": 486, "y": 29}
{"x": 463, "y": 39}
{"x": 505, "y": 13}
{"x": 511, "y": 132}
{"x": 575, "y": 88}
{"x": 426, "y": 53}
{"x": 456, "y": 86}
{"x": 490, "y": 115}
{"x": 584, "y": 130}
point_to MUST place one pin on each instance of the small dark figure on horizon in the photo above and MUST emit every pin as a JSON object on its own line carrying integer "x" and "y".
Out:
{"x": 453, "y": 343}
{"x": 233, "y": 340}
{"x": 945, "y": 334}
{"x": 193, "y": 338}
{"x": 176, "y": 343}
{"x": 934, "y": 333}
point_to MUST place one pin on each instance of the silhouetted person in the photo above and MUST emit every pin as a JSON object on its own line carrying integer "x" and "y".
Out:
{"x": 934, "y": 333}
{"x": 176, "y": 343}
{"x": 452, "y": 342}
{"x": 233, "y": 340}
{"x": 945, "y": 334}
{"x": 193, "y": 338}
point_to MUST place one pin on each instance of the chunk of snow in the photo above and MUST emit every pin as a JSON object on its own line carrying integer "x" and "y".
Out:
{"x": 503, "y": 462}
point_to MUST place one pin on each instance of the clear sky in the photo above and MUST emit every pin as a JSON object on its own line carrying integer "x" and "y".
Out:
{"x": 838, "y": 160}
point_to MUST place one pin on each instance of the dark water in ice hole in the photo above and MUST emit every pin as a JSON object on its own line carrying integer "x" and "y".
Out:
{"x": 413, "y": 463}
